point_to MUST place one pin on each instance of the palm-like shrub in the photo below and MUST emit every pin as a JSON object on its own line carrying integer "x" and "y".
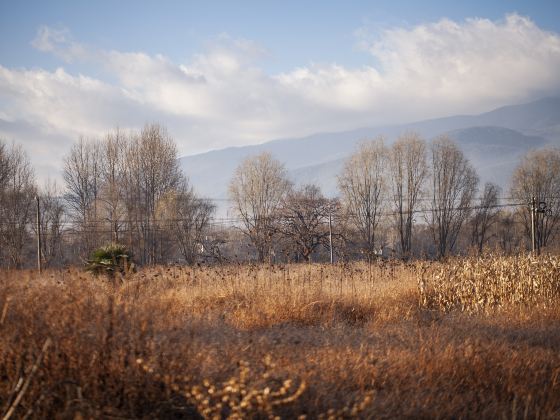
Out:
{"x": 109, "y": 260}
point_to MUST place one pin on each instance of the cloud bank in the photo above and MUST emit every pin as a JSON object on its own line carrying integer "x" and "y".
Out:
{"x": 221, "y": 97}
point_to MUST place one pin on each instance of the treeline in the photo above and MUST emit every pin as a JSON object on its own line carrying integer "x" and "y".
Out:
{"x": 412, "y": 199}
{"x": 125, "y": 188}
{"x": 129, "y": 189}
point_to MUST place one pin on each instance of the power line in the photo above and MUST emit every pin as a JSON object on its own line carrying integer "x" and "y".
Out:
{"x": 148, "y": 224}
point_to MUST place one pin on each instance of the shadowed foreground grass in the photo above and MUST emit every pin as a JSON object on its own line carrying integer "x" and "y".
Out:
{"x": 378, "y": 341}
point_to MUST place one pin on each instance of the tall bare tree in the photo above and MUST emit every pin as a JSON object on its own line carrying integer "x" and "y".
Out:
{"x": 257, "y": 189}
{"x": 133, "y": 200}
{"x": 4, "y": 165}
{"x": 409, "y": 169}
{"x": 152, "y": 170}
{"x": 304, "y": 219}
{"x": 538, "y": 175}
{"x": 454, "y": 185}
{"x": 363, "y": 184}
{"x": 113, "y": 167}
{"x": 82, "y": 176}
{"x": 17, "y": 195}
{"x": 51, "y": 223}
{"x": 115, "y": 185}
{"x": 486, "y": 214}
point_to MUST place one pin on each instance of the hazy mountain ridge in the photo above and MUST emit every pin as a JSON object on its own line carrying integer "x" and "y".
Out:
{"x": 494, "y": 141}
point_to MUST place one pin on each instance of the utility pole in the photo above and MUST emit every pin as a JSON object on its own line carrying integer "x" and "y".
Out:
{"x": 535, "y": 210}
{"x": 39, "y": 262}
{"x": 330, "y": 236}
{"x": 533, "y": 237}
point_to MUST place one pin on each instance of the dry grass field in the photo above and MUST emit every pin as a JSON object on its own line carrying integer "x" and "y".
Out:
{"x": 469, "y": 338}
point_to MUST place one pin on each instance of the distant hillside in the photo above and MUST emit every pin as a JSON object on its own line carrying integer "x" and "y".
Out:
{"x": 494, "y": 141}
{"x": 493, "y": 150}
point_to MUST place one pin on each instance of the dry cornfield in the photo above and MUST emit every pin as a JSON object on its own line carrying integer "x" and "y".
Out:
{"x": 485, "y": 283}
{"x": 468, "y": 338}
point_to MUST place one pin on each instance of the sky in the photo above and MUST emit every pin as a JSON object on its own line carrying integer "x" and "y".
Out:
{"x": 220, "y": 74}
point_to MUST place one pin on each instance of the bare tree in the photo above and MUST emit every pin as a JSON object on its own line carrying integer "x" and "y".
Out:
{"x": 362, "y": 184}
{"x": 409, "y": 169}
{"x": 508, "y": 237}
{"x": 4, "y": 166}
{"x": 152, "y": 171}
{"x": 112, "y": 177}
{"x": 133, "y": 200}
{"x": 454, "y": 184}
{"x": 82, "y": 176}
{"x": 257, "y": 189}
{"x": 187, "y": 218}
{"x": 116, "y": 184}
{"x": 51, "y": 223}
{"x": 538, "y": 175}
{"x": 16, "y": 203}
{"x": 485, "y": 216}
{"x": 304, "y": 219}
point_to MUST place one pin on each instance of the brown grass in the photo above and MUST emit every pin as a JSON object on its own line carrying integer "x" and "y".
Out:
{"x": 381, "y": 341}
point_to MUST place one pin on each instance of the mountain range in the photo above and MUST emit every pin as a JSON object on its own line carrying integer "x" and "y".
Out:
{"x": 494, "y": 142}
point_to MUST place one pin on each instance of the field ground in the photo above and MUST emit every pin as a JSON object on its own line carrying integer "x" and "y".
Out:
{"x": 465, "y": 339}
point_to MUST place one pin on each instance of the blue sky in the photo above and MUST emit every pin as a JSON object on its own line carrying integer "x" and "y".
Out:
{"x": 219, "y": 74}
{"x": 293, "y": 32}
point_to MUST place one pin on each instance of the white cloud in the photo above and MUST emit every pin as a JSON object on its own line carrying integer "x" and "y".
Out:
{"x": 478, "y": 59}
{"x": 441, "y": 68}
{"x": 59, "y": 42}
{"x": 221, "y": 97}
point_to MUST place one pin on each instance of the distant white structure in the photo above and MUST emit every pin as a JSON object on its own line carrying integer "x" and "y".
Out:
{"x": 384, "y": 252}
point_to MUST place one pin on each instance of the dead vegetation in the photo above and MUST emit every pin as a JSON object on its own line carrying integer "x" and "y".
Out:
{"x": 381, "y": 340}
